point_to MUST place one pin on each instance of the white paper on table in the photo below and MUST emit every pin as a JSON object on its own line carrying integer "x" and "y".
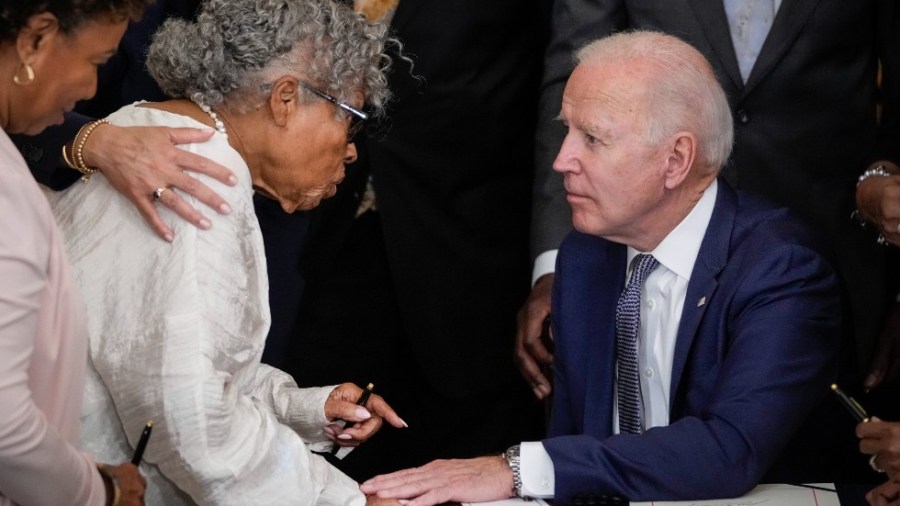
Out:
{"x": 509, "y": 502}
{"x": 775, "y": 494}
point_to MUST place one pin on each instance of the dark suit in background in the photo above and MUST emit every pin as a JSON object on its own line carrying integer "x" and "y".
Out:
{"x": 805, "y": 127}
{"x": 751, "y": 360}
{"x": 124, "y": 80}
{"x": 420, "y": 296}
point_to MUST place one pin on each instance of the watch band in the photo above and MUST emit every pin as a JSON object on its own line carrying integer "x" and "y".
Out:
{"x": 512, "y": 458}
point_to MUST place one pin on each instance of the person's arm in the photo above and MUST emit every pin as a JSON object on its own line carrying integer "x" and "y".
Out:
{"x": 574, "y": 23}
{"x": 32, "y": 452}
{"x": 312, "y": 412}
{"x": 137, "y": 161}
{"x": 878, "y": 197}
{"x": 780, "y": 322}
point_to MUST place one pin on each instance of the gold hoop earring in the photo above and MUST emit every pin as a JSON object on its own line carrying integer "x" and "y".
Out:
{"x": 29, "y": 75}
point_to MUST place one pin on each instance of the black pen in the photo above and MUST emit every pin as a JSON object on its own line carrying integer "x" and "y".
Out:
{"x": 363, "y": 399}
{"x": 852, "y": 406}
{"x": 142, "y": 444}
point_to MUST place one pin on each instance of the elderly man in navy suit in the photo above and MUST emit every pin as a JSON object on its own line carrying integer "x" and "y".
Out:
{"x": 696, "y": 326}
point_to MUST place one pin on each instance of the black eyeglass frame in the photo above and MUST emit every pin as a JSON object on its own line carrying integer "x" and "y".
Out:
{"x": 355, "y": 114}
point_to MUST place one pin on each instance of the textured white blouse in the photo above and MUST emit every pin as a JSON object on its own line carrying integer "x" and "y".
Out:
{"x": 176, "y": 335}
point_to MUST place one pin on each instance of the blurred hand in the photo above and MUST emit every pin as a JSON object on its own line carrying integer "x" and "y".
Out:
{"x": 881, "y": 439}
{"x": 374, "y": 500}
{"x": 886, "y": 362}
{"x": 886, "y": 494}
{"x": 362, "y": 421}
{"x": 878, "y": 200}
{"x": 131, "y": 483}
{"x": 471, "y": 480}
{"x": 138, "y": 160}
{"x": 531, "y": 354}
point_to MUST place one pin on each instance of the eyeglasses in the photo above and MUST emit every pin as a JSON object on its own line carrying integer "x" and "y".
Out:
{"x": 357, "y": 117}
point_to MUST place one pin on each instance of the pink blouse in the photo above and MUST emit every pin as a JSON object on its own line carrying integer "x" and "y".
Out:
{"x": 43, "y": 352}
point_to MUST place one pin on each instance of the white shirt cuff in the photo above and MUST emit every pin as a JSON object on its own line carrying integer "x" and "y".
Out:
{"x": 545, "y": 263}
{"x": 536, "y": 468}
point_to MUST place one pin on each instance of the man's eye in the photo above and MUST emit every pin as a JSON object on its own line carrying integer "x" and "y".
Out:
{"x": 591, "y": 140}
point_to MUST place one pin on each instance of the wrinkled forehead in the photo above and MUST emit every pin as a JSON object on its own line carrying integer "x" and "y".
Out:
{"x": 606, "y": 88}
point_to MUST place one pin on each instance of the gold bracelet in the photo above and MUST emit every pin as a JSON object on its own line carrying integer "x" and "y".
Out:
{"x": 112, "y": 485}
{"x": 65, "y": 156}
{"x": 78, "y": 148}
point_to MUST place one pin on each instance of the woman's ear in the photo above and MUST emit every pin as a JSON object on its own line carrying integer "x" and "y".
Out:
{"x": 284, "y": 99}
{"x": 36, "y": 36}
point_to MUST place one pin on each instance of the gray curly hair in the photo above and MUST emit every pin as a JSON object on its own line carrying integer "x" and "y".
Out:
{"x": 237, "y": 48}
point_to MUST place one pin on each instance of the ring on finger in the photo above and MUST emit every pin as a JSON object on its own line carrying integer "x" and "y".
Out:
{"x": 157, "y": 193}
{"x": 873, "y": 463}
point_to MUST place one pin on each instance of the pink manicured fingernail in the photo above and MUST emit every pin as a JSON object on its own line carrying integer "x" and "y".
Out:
{"x": 362, "y": 413}
{"x": 224, "y": 208}
{"x": 344, "y": 436}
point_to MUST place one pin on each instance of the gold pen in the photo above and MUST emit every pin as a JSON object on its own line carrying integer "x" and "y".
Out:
{"x": 850, "y": 403}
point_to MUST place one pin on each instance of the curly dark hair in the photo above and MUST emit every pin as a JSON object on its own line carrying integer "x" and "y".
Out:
{"x": 14, "y": 14}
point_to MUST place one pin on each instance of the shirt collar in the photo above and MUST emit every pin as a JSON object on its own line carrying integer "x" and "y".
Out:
{"x": 678, "y": 251}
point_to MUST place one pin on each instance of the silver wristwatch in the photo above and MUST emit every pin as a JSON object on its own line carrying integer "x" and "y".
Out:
{"x": 512, "y": 458}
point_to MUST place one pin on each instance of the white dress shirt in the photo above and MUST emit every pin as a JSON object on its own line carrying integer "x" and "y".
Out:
{"x": 662, "y": 300}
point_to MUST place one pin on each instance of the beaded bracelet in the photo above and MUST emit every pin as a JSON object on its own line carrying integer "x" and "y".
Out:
{"x": 78, "y": 149}
{"x": 881, "y": 171}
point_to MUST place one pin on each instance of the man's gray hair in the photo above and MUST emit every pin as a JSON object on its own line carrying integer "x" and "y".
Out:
{"x": 237, "y": 48}
{"x": 683, "y": 93}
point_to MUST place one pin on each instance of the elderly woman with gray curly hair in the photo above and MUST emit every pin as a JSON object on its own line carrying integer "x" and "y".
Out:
{"x": 177, "y": 329}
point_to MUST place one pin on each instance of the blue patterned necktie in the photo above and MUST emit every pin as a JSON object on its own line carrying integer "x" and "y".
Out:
{"x": 749, "y": 22}
{"x": 628, "y": 320}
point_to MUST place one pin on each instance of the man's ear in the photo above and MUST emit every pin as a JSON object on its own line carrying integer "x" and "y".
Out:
{"x": 36, "y": 36}
{"x": 284, "y": 99}
{"x": 682, "y": 150}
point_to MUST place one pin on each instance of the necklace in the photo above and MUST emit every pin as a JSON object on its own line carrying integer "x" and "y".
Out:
{"x": 220, "y": 126}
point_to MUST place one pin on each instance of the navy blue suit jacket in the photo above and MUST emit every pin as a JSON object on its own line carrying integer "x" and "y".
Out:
{"x": 755, "y": 351}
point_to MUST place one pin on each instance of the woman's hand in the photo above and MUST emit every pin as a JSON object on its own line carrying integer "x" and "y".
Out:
{"x": 881, "y": 439}
{"x": 139, "y": 160}
{"x": 362, "y": 421}
{"x": 127, "y": 477}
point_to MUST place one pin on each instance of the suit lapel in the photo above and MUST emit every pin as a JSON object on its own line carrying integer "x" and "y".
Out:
{"x": 704, "y": 280}
{"x": 714, "y": 22}
{"x": 791, "y": 18}
{"x": 601, "y": 354}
